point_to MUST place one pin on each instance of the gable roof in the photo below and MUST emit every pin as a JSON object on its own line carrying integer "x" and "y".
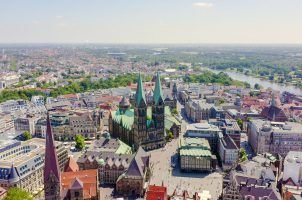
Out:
{"x": 71, "y": 165}
{"x": 76, "y": 184}
{"x": 138, "y": 164}
{"x": 86, "y": 179}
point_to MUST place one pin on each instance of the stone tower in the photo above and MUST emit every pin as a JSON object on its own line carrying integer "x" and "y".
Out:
{"x": 158, "y": 107}
{"x": 52, "y": 177}
{"x": 140, "y": 114}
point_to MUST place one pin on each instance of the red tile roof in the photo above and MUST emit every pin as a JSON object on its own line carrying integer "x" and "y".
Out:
{"x": 157, "y": 192}
{"x": 88, "y": 179}
{"x": 71, "y": 166}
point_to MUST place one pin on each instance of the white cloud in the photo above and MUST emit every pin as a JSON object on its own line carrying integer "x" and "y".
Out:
{"x": 59, "y": 16}
{"x": 203, "y": 5}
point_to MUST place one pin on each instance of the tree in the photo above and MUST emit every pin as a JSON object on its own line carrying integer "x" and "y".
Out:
{"x": 240, "y": 123}
{"x": 17, "y": 194}
{"x": 80, "y": 142}
{"x": 174, "y": 111}
{"x": 27, "y": 135}
{"x": 257, "y": 86}
{"x": 242, "y": 155}
{"x": 169, "y": 134}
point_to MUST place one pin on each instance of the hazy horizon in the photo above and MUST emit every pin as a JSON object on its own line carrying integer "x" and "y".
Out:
{"x": 190, "y": 22}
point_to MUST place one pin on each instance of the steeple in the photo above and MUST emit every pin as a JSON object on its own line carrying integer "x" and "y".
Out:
{"x": 273, "y": 102}
{"x": 51, "y": 159}
{"x": 52, "y": 178}
{"x": 158, "y": 94}
{"x": 140, "y": 93}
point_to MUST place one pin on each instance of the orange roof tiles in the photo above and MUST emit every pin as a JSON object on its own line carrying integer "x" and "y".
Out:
{"x": 156, "y": 192}
{"x": 87, "y": 177}
{"x": 71, "y": 166}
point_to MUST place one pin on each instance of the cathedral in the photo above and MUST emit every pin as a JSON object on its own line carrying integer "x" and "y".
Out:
{"x": 144, "y": 123}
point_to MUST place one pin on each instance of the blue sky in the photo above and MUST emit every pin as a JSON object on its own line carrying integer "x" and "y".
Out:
{"x": 151, "y": 21}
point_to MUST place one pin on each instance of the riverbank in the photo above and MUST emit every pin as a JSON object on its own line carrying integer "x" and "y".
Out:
{"x": 264, "y": 83}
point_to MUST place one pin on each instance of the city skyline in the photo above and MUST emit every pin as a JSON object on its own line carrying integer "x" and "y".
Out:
{"x": 134, "y": 21}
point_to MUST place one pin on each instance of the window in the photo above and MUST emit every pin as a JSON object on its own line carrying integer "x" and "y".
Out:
{"x": 76, "y": 194}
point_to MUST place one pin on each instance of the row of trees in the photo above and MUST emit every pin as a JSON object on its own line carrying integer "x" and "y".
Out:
{"x": 72, "y": 87}
{"x": 210, "y": 77}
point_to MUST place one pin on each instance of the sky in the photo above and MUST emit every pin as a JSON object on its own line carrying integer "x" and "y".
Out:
{"x": 151, "y": 21}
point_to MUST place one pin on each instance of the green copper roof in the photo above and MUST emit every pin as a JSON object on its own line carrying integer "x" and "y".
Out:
{"x": 127, "y": 118}
{"x": 140, "y": 93}
{"x": 158, "y": 94}
{"x": 195, "y": 152}
{"x": 194, "y": 147}
{"x": 123, "y": 148}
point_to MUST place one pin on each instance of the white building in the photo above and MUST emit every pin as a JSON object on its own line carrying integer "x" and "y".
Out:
{"x": 228, "y": 151}
{"x": 205, "y": 130}
{"x": 8, "y": 80}
{"x": 37, "y": 100}
{"x": 292, "y": 179}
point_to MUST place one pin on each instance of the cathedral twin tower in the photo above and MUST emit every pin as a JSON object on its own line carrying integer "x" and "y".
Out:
{"x": 144, "y": 125}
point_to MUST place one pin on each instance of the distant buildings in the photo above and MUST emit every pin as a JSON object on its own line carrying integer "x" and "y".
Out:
{"x": 8, "y": 80}
{"x": 197, "y": 110}
{"x": 195, "y": 155}
{"x": 275, "y": 137}
{"x": 273, "y": 112}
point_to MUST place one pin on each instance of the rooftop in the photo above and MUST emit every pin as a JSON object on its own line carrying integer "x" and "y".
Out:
{"x": 194, "y": 147}
{"x": 203, "y": 126}
{"x": 86, "y": 179}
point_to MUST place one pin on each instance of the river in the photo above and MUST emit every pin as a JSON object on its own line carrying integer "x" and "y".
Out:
{"x": 264, "y": 83}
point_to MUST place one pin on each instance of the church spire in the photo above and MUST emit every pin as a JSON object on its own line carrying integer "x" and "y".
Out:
{"x": 51, "y": 166}
{"x": 158, "y": 94}
{"x": 273, "y": 102}
{"x": 140, "y": 93}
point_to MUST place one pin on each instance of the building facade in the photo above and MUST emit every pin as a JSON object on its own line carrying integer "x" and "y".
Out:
{"x": 195, "y": 155}
{"x": 228, "y": 151}
{"x": 197, "y": 110}
{"x": 133, "y": 180}
{"x": 275, "y": 137}
{"x": 22, "y": 164}
{"x": 205, "y": 130}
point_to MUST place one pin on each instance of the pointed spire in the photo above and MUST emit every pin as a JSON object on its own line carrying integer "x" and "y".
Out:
{"x": 140, "y": 93}
{"x": 158, "y": 94}
{"x": 51, "y": 159}
{"x": 13, "y": 175}
{"x": 273, "y": 102}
